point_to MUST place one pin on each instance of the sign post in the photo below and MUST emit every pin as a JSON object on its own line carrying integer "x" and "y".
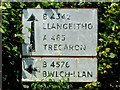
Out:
{"x": 61, "y": 44}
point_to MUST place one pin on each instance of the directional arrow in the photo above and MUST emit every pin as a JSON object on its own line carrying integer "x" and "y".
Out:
{"x": 32, "y": 70}
{"x": 32, "y": 36}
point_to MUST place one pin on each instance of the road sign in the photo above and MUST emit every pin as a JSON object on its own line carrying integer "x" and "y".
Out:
{"x": 60, "y": 32}
{"x": 70, "y": 69}
{"x": 70, "y": 34}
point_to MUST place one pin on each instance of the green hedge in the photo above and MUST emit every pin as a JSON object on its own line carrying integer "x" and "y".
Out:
{"x": 108, "y": 46}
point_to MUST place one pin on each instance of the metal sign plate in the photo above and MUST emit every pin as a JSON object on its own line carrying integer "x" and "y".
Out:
{"x": 60, "y": 32}
{"x": 70, "y": 69}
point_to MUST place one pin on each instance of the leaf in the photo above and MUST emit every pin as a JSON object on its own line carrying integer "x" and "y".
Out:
{"x": 7, "y": 48}
{"x": 8, "y": 5}
{"x": 15, "y": 48}
{"x": 44, "y": 85}
{"x": 112, "y": 55}
{"x": 20, "y": 55}
{"x": 1, "y": 30}
{"x": 45, "y": 4}
{"x": 101, "y": 40}
{"x": 29, "y": 29}
{"x": 18, "y": 35}
{"x": 2, "y": 7}
{"x": 38, "y": 6}
{"x": 104, "y": 53}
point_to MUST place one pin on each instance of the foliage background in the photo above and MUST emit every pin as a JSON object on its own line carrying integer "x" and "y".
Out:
{"x": 108, "y": 46}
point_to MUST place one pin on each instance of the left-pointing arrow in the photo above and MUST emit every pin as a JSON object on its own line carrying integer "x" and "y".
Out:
{"x": 32, "y": 36}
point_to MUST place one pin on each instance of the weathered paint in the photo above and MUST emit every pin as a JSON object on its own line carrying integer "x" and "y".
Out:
{"x": 76, "y": 69}
{"x": 50, "y": 37}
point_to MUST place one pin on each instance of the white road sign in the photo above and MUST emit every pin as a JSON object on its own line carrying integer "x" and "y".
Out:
{"x": 60, "y": 32}
{"x": 70, "y": 69}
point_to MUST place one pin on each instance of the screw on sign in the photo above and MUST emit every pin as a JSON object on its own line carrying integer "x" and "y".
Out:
{"x": 32, "y": 39}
